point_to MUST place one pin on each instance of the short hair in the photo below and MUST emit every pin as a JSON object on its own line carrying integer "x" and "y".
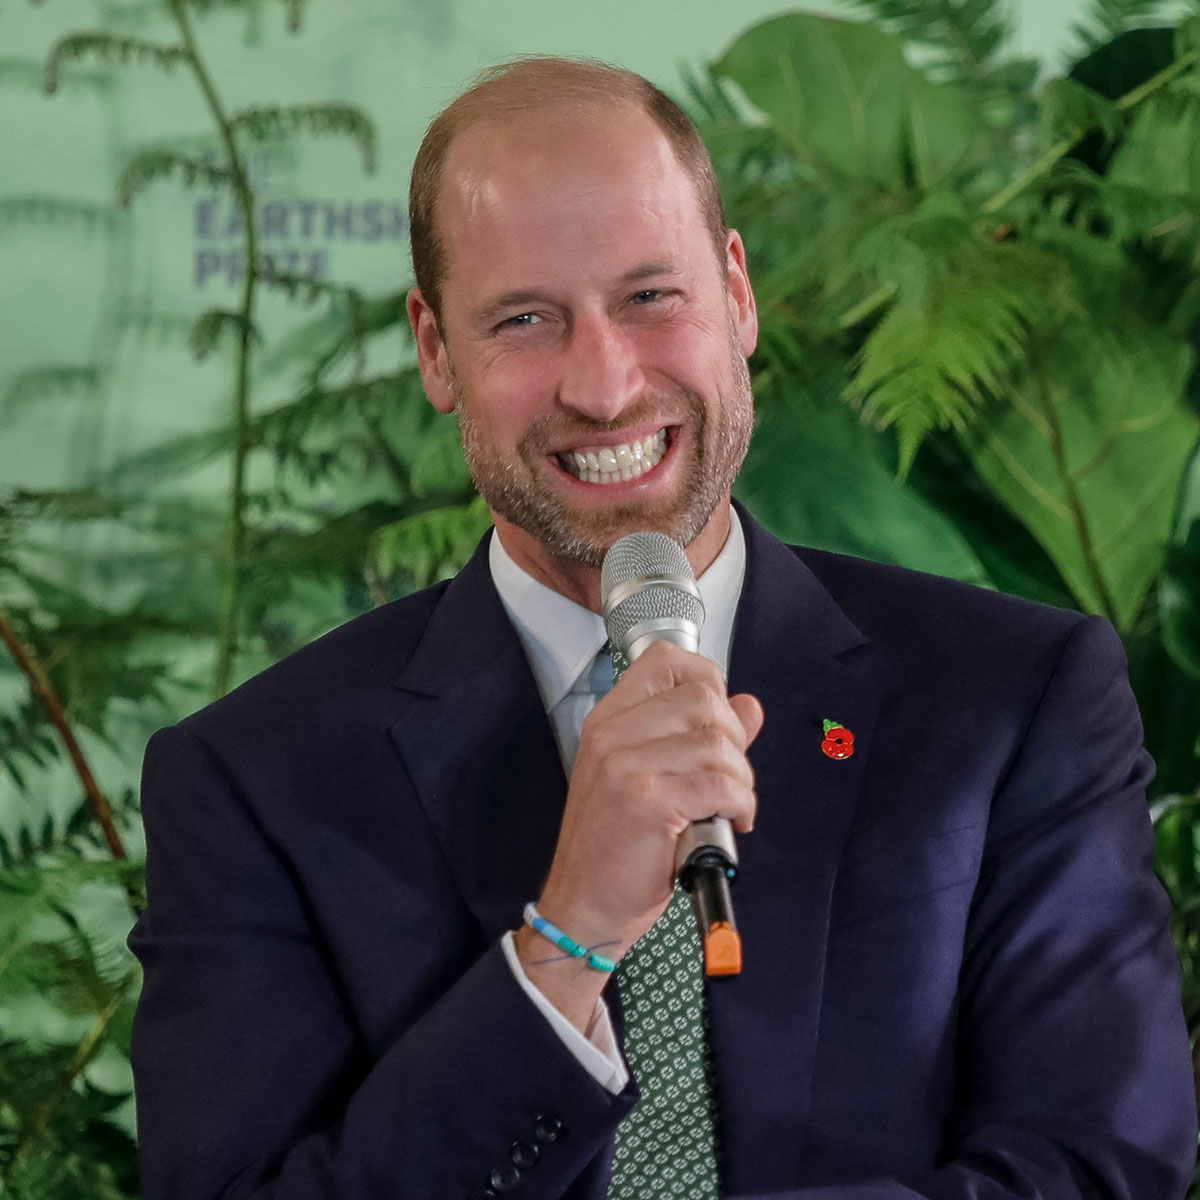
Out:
{"x": 524, "y": 85}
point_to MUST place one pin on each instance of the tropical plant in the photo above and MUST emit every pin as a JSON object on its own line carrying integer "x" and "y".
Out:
{"x": 357, "y": 498}
{"x": 979, "y": 301}
{"x": 993, "y": 294}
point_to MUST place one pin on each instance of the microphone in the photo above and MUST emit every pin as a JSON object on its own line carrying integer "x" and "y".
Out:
{"x": 650, "y": 595}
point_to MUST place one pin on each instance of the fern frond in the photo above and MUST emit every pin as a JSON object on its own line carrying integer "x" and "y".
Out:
{"x": 964, "y": 36}
{"x": 269, "y": 122}
{"x": 1105, "y": 19}
{"x": 1070, "y": 109}
{"x": 26, "y": 741}
{"x": 307, "y": 289}
{"x": 150, "y": 323}
{"x": 147, "y": 166}
{"x": 62, "y": 504}
{"x": 209, "y": 326}
{"x": 294, "y": 9}
{"x": 31, "y": 73}
{"x": 44, "y": 383}
{"x": 963, "y": 306}
{"x": 170, "y": 459}
{"x": 108, "y": 48}
{"x": 56, "y": 211}
{"x": 431, "y": 545}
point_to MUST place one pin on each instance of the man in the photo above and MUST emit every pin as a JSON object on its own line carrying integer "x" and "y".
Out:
{"x": 959, "y": 982}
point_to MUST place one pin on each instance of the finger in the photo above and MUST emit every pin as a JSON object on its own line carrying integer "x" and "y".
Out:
{"x": 749, "y": 713}
{"x": 687, "y": 753}
{"x": 690, "y": 706}
{"x": 705, "y": 794}
{"x": 662, "y": 667}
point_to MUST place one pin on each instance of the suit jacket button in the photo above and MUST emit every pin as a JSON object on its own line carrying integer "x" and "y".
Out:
{"x": 523, "y": 1154}
{"x": 504, "y": 1178}
{"x": 547, "y": 1129}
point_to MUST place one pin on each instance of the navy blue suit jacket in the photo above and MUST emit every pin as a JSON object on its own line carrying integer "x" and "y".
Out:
{"x": 959, "y": 982}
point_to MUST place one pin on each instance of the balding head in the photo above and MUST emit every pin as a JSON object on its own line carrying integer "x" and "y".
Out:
{"x": 516, "y": 89}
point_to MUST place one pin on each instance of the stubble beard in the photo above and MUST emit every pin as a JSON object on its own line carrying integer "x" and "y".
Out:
{"x": 717, "y": 447}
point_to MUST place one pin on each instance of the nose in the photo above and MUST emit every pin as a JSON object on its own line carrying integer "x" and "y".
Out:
{"x": 600, "y": 373}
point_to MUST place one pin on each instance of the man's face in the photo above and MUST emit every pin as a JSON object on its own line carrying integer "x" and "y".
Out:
{"x": 591, "y": 342}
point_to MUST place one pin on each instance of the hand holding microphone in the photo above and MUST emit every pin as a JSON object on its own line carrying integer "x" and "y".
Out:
{"x": 663, "y": 751}
{"x": 650, "y": 595}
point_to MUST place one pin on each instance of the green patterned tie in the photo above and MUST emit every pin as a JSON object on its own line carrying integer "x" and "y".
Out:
{"x": 666, "y": 1146}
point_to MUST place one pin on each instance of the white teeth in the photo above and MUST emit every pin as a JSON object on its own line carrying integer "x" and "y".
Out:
{"x": 610, "y": 464}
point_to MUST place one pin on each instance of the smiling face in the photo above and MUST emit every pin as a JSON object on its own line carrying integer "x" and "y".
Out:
{"x": 591, "y": 342}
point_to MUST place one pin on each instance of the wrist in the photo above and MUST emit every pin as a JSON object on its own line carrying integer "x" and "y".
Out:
{"x": 567, "y": 983}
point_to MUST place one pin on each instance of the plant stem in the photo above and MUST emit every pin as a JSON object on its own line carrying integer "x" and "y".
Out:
{"x": 865, "y": 307}
{"x": 235, "y": 552}
{"x": 44, "y": 691}
{"x": 1064, "y": 144}
{"x": 1083, "y": 530}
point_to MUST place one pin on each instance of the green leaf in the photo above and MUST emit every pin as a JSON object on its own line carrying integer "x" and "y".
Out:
{"x": 841, "y": 93}
{"x": 430, "y": 545}
{"x": 1187, "y": 36}
{"x": 440, "y": 466}
{"x": 1107, "y": 19}
{"x": 1087, "y": 451}
{"x": 963, "y": 303}
{"x": 1179, "y": 585}
{"x": 147, "y": 166}
{"x": 1070, "y": 109}
{"x": 108, "y": 48}
{"x": 208, "y": 327}
{"x": 817, "y": 475}
{"x": 268, "y": 122}
{"x": 42, "y": 383}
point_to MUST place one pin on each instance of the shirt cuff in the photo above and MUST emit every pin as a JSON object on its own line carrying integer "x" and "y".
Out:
{"x": 597, "y": 1053}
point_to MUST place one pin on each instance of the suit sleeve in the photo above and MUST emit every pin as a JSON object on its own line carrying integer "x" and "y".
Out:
{"x": 1075, "y": 1077}
{"x": 253, "y": 1082}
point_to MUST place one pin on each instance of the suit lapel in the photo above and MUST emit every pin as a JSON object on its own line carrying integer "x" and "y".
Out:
{"x": 795, "y": 649}
{"x": 480, "y": 752}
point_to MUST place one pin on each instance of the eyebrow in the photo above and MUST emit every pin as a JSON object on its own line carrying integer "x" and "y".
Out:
{"x": 487, "y": 312}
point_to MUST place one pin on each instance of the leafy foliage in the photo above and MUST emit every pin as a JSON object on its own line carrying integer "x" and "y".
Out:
{"x": 39, "y": 383}
{"x": 209, "y": 325}
{"x": 265, "y": 123}
{"x": 108, "y": 48}
{"x": 1106, "y": 19}
{"x": 976, "y": 356}
{"x": 148, "y": 166}
{"x": 1024, "y": 321}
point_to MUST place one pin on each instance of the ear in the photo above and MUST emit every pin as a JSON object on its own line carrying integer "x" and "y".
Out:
{"x": 431, "y": 352}
{"x": 741, "y": 295}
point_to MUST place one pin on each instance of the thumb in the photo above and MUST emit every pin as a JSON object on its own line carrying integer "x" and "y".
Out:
{"x": 749, "y": 711}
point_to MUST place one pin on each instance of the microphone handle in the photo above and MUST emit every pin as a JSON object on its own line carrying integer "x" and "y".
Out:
{"x": 706, "y": 864}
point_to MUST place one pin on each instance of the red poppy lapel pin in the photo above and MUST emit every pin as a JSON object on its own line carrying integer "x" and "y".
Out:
{"x": 839, "y": 741}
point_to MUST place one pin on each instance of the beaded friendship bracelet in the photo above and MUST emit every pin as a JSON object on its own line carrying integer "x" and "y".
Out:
{"x": 552, "y": 933}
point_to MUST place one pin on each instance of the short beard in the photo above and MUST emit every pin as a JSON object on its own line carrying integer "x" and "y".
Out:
{"x": 720, "y": 439}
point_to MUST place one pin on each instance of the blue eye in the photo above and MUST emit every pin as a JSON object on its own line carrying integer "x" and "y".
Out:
{"x": 520, "y": 321}
{"x": 647, "y": 296}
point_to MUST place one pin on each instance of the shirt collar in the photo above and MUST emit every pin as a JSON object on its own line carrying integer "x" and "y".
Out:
{"x": 561, "y": 638}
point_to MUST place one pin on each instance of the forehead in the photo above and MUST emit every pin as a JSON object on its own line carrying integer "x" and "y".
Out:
{"x": 552, "y": 194}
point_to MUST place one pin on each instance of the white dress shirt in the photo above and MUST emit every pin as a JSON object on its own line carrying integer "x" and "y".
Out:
{"x": 561, "y": 640}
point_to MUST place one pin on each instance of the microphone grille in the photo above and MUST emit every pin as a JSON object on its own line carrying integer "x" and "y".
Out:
{"x": 640, "y": 556}
{"x": 637, "y": 555}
